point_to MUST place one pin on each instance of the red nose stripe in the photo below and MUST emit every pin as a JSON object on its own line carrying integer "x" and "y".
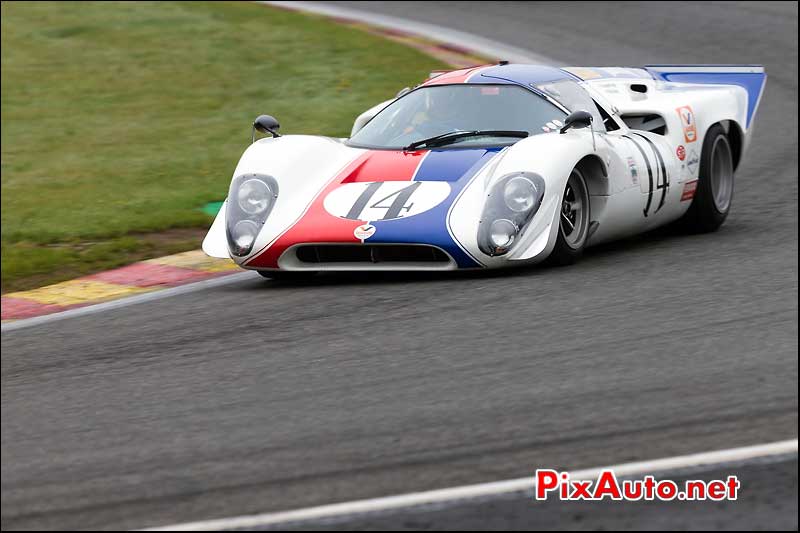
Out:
{"x": 317, "y": 225}
{"x": 385, "y": 165}
{"x": 456, "y": 76}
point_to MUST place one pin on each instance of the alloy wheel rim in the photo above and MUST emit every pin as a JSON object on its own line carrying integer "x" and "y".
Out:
{"x": 721, "y": 173}
{"x": 574, "y": 211}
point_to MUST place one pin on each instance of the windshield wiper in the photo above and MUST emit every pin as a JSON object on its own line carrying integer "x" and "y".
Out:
{"x": 447, "y": 138}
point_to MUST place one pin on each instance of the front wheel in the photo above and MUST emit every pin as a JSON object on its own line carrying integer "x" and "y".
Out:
{"x": 574, "y": 217}
{"x": 712, "y": 199}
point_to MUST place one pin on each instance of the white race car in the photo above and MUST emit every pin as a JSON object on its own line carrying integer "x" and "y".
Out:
{"x": 494, "y": 166}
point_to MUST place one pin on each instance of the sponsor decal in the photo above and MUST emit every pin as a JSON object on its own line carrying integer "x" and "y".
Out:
{"x": 689, "y": 189}
{"x": 364, "y": 231}
{"x": 693, "y": 162}
{"x": 634, "y": 170}
{"x": 681, "y": 152}
{"x": 385, "y": 200}
{"x": 552, "y": 125}
{"x": 687, "y": 121}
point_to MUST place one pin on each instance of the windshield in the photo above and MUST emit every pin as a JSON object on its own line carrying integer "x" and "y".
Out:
{"x": 439, "y": 109}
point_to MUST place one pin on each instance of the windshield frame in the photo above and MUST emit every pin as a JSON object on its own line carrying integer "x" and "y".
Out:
{"x": 454, "y": 146}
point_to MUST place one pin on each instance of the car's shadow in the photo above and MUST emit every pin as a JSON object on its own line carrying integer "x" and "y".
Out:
{"x": 605, "y": 251}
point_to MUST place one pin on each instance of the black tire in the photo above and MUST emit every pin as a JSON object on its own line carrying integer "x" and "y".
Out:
{"x": 712, "y": 199}
{"x": 569, "y": 248}
{"x": 285, "y": 275}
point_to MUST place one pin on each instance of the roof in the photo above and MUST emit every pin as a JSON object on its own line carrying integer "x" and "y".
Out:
{"x": 519, "y": 74}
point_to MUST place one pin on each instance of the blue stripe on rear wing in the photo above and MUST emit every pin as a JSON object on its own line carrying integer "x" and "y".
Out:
{"x": 750, "y": 77}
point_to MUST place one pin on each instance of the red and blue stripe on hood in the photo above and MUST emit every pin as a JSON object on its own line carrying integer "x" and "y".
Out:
{"x": 455, "y": 166}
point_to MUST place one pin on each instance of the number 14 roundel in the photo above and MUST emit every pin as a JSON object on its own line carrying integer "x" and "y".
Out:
{"x": 385, "y": 200}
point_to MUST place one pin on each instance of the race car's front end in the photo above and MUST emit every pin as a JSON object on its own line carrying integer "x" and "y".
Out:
{"x": 385, "y": 210}
{"x": 316, "y": 204}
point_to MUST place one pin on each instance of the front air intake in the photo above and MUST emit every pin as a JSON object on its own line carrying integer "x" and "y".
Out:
{"x": 365, "y": 257}
{"x": 398, "y": 254}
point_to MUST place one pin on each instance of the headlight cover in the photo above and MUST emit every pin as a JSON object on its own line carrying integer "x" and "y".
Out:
{"x": 250, "y": 201}
{"x": 254, "y": 196}
{"x": 510, "y": 205}
{"x": 519, "y": 194}
{"x": 502, "y": 233}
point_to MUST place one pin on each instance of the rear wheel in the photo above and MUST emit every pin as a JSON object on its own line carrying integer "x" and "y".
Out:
{"x": 574, "y": 219}
{"x": 285, "y": 275}
{"x": 712, "y": 199}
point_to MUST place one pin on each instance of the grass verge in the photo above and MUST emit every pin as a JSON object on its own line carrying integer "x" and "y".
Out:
{"x": 120, "y": 120}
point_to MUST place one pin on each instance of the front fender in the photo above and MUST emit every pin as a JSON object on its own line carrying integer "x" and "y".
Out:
{"x": 552, "y": 156}
{"x": 215, "y": 243}
{"x": 302, "y": 165}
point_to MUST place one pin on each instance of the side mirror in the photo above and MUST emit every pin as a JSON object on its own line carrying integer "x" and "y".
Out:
{"x": 266, "y": 124}
{"x": 577, "y": 119}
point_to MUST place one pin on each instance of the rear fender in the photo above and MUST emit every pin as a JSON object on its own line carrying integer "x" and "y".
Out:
{"x": 751, "y": 78}
{"x": 745, "y": 83}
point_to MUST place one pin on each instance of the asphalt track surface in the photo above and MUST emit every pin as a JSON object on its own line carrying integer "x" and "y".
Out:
{"x": 257, "y": 396}
{"x": 760, "y": 505}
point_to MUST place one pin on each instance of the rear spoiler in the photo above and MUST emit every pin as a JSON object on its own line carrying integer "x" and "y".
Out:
{"x": 751, "y": 78}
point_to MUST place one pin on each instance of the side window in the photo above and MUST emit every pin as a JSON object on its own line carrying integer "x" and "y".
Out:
{"x": 572, "y": 96}
{"x": 608, "y": 120}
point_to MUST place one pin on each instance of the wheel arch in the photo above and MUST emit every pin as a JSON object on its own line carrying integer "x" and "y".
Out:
{"x": 735, "y": 137}
{"x": 594, "y": 170}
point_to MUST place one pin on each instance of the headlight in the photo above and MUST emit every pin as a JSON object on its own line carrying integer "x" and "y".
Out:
{"x": 243, "y": 236}
{"x": 510, "y": 205}
{"x": 250, "y": 201}
{"x": 519, "y": 194}
{"x": 254, "y": 197}
{"x": 502, "y": 233}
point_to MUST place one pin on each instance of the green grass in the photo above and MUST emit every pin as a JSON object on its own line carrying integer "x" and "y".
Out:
{"x": 120, "y": 120}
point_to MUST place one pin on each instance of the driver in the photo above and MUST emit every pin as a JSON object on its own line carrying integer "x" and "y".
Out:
{"x": 440, "y": 113}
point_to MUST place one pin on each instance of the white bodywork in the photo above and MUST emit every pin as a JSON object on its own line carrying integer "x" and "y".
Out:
{"x": 619, "y": 186}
